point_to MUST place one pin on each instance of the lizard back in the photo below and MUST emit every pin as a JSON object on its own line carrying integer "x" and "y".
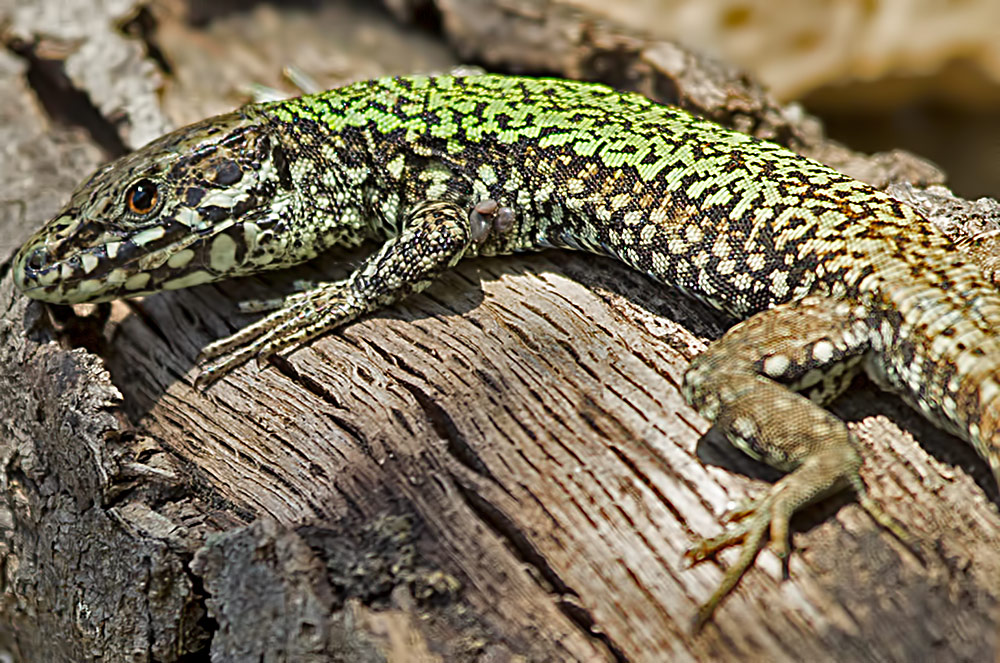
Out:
{"x": 737, "y": 222}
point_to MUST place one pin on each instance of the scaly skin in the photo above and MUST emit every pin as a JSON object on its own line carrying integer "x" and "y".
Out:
{"x": 831, "y": 275}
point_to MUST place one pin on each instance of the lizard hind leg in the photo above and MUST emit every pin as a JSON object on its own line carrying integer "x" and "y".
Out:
{"x": 763, "y": 385}
{"x": 433, "y": 240}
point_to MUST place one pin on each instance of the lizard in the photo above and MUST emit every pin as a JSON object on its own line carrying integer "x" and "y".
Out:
{"x": 828, "y": 276}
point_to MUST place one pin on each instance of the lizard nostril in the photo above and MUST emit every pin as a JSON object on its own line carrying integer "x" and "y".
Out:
{"x": 37, "y": 258}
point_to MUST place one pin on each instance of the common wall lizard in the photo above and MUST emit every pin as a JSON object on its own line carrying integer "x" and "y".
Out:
{"x": 829, "y": 275}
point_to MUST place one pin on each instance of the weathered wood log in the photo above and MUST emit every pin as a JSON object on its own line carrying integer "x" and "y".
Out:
{"x": 501, "y": 468}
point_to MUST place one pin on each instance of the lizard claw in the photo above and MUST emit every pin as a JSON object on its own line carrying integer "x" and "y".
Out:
{"x": 753, "y": 523}
{"x": 767, "y": 519}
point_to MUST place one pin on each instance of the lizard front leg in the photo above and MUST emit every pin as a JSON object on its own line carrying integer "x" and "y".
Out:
{"x": 434, "y": 238}
{"x": 746, "y": 384}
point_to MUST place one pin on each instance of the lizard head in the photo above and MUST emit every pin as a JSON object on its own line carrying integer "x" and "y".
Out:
{"x": 188, "y": 208}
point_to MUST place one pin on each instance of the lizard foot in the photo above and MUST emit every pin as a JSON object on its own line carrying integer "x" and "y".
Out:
{"x": 294, "y": 319}
{"x": 752, "y": 521}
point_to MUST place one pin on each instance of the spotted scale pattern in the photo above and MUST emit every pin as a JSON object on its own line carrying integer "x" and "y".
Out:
{"x": 831, "y": 276}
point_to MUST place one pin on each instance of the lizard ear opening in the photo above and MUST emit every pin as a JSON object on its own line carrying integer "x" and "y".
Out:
{"x": 142, "y": 197}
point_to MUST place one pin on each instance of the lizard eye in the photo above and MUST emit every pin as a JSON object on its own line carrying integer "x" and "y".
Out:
{"x": 142, "y": 197}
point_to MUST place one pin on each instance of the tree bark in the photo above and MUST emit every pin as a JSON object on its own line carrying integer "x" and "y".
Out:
{"x": 501, "y": 468}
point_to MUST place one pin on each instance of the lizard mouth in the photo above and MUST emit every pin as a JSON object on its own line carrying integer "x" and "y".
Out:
{"x": 78, "y": 278}
{"x": 107, "y": 271}
{"x": 38, "y": 274}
